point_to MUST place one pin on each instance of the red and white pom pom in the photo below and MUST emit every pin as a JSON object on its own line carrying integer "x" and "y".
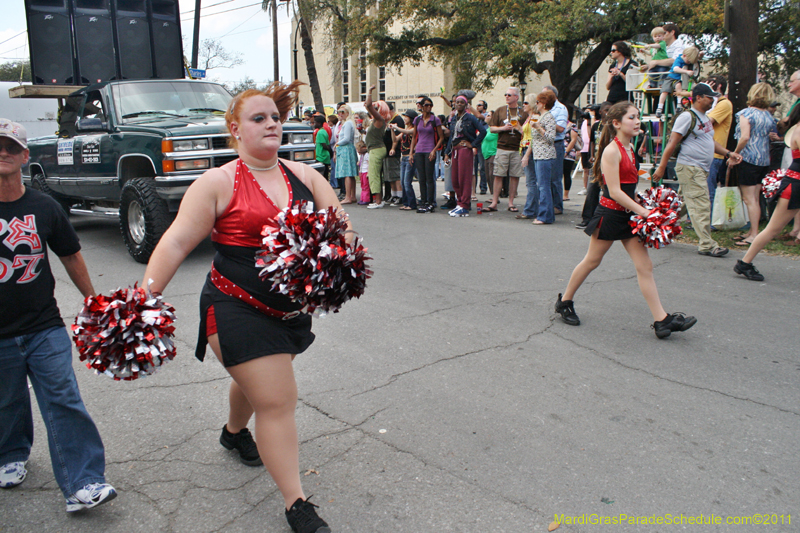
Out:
{"x": 772, "y": 182}
{"x": 307, "y": 258}
{"x": 125, "y": 335}
{"x": 661, "y": 226}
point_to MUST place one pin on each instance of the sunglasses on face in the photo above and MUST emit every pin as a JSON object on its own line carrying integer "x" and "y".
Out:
{"x": 507, "y": 95}
{"x": 613, "y": 49}
{"x": 11, "y": 147}
{"x": 427, "y": 105}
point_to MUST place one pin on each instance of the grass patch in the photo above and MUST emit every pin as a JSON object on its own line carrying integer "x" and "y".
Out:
{"x": 725, "y": 238}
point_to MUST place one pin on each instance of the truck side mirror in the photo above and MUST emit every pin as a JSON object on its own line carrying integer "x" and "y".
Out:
{"x": 91, "y": 124}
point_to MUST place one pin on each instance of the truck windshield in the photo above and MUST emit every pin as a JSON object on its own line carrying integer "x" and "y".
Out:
{"x": 144, "y": 101}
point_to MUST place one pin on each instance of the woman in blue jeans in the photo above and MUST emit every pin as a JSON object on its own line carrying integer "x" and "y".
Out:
{"x": 406, "y": 164}
{"x": 542, "y": 149}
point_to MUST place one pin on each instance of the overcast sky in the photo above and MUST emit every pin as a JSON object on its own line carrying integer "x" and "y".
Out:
{"x": 240, "y": 25}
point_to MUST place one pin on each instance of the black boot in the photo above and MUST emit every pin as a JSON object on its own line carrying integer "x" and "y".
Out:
{"x": 566, "y": 309}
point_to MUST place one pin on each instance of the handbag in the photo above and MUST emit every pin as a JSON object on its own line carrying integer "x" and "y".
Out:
{"x": 729, "y": 210}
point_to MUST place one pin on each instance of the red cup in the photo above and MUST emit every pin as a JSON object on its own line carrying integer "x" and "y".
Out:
{"x": 479, "y": 205}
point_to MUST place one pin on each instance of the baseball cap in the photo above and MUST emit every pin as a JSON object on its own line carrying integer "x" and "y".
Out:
{"x": 14, "y": 131}
{"x": 774, "y": 104}
{"x": 704, "y": 89}
{"x": 411, "y": 114}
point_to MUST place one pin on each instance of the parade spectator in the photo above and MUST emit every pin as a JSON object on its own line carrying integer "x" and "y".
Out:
{"x": 427, "y": 139}
{"x": 33, "y": 341}
{"x": 788, "y": 205}
{"x": 489, "y": 150}
{"x": 346, "y": 159}
{"x": 617, "y": 73}
{"x": 479, "y": 172}
{"x": 322, "y": 147}
{"x": 543, "y": 153}
{"x": 391, "y": 164}
{"x": 333, "y": 122}
{"x": 257, "y": 334}
{"x": 616, "y": 170}
{"x": 674, "y": 47}
{"x": 659, "y": 47}
{"x": 531, "y": 207}
{"x": 466, "y": 134}
{"x": 683, "y": 64}
{"x": 570, "y": 155}
{"x": 753, "y": 126}
{"x": 380, "y": 115}
{"x": 561, "y": 115}
{"x": 406, "y": 164}
{"x": 585, "y": 129}
{"x": 721, "y": 116}
{"x": 693, "y": 131}
{"x": 507, "y": 122}
{"x": 445, "y": 170}
{"x": 593, "y": 189}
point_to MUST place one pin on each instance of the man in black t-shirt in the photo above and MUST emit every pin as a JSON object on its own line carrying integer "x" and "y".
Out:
{"x": 391, "y": 163}
{"x": 33, "y": 340}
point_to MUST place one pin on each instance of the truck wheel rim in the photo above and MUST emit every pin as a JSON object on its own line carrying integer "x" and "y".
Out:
{"x": 136, "y": 222}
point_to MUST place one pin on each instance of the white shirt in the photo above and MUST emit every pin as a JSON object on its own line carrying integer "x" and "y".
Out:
{"x": 675, "y": 49}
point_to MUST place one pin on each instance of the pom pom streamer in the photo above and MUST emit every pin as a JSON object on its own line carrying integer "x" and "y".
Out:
{"x": 661, "y": 225}
{"x": 305, "y": 257}
{"x": 772, "y": 182}
{"x": 125, "y": 335}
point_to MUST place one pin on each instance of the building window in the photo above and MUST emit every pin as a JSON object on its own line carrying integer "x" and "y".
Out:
{"x": 345, "y": 77}
{"x": 362, "y": 73}
{"x": 381, "y": 83}
{"x": 591, "y": 90}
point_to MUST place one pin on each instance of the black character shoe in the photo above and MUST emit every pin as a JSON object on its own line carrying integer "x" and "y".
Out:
{"x": 303, "y": 518}
{"x": 673, "y": 322}
{"x": 449, "y": 204}
{"x": 243, "y": 443}
{"x": 566, "y": 309}
{"x": 748, "y": 270}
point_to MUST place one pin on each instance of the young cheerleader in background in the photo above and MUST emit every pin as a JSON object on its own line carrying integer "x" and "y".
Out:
{"x": 616, "y": 169}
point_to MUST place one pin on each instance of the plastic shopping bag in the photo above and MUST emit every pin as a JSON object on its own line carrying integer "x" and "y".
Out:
{"x": 729, "y": 210}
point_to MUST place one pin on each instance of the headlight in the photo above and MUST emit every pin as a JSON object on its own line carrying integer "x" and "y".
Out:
{"x": 301, "y": 156}
{"x": 191, "y": 164}
{"x": 190, "y": 144}
{"x": 302, "y": 138}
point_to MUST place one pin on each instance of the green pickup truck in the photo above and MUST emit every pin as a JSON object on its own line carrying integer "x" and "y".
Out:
{"x": 130, "y": 149}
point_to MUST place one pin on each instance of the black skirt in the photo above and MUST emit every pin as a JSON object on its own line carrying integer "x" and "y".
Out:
{"x": 613, "y": 224}
{"x": 790, "y": 189}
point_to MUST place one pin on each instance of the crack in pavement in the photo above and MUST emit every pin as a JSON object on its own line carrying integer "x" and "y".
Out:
{"x": 395, "y": 377}
{"x": 670, "y": 380}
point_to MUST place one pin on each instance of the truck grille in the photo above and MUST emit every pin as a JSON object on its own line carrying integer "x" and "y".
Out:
{"x": 219, "y": 143}
{"x": 220, "y": 160}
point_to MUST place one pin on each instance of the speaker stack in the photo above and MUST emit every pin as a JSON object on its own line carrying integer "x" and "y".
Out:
{"x": 79, "y": 42}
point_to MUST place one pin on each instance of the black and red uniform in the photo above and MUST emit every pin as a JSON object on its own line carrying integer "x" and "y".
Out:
{"x": 790, "y": 184}
{"x": 246, "y": 332}
{"x": 610, "y": 217}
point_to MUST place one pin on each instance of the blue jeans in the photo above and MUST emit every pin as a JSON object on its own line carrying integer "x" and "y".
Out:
{"x": 558, "y": 174}
{"x": 544, "y": 181}
{"x": 715, "y": 175}
{"x": 480, "y": 171}
{"x": 407, "y": 179}
{"x": 76, "y": 451}
{"x": 532, "y": 198}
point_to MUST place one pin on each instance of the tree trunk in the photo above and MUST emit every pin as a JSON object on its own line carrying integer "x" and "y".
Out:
{"x": 570, "y": 84}
{"x": 308, "y": 53}
{"x": 277, "y": 75}
{"x": 744, "y": 51}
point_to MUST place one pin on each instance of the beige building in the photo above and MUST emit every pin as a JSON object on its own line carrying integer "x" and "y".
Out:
{"x": 345, "y": 76}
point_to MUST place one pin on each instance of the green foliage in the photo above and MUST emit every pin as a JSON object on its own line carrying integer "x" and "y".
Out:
{"x": 19, "y": 71}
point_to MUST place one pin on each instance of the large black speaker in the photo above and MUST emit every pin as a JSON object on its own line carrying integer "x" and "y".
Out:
{"x": 94, "y": 40}
{"x": 132, "y": 39}
{"x": 50, "y": 40}
{"x": 166, "y": 35}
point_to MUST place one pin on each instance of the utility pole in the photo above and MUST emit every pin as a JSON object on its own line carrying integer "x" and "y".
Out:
{"x": 276, "y": 76}
{"x": 196, "y": 43}
{"x": 743, "y": 17}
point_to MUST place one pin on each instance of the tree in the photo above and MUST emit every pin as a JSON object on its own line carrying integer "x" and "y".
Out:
{"x": 272, "y": 7}
{"x": 214, "y": 55}
{"x": 19, "y": 71}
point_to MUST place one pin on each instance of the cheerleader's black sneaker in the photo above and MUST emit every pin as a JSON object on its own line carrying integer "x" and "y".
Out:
{"x": 303, "y": 518}
{"x": 90, "y": 496}
{"x": 243, "y": 443}
{"x": 673, "y": 322}
{"x": 566, "y": 309}
{"x": 748, "y": 270}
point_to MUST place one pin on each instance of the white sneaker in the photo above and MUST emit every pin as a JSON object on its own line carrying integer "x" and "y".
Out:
{"x": 12, "y": 474}
{"x": 375, "y": 206}
{"x": 582, "y": 192}
{"x": 91, "y": 496}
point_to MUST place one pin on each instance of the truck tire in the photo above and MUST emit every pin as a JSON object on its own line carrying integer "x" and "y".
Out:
{"x": 38, "y": 182}
{"x": 143, "y": 218}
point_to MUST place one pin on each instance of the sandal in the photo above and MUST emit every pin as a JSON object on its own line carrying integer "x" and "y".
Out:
{"x": 406, "y": 208}
{"x": 489, "y": 208}
{"x": 474, "y": 198}
{"x": 513, "y": 209}
{"x": 742, "y": 242}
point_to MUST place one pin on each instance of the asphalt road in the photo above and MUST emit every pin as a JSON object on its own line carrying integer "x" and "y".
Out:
{"x": 450, "y": 398}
